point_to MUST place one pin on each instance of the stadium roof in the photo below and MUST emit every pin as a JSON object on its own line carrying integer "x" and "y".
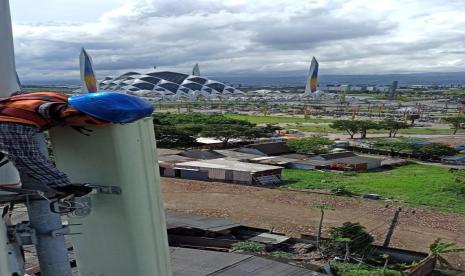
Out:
{"x": 166, "y": 84}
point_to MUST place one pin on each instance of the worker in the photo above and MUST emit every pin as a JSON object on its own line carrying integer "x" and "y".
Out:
{"x": 22, "y": 116}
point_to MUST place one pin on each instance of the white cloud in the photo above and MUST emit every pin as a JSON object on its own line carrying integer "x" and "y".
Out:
{"x": 242, "y": 37}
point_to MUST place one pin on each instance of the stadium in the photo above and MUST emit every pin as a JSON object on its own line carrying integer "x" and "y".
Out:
{"x": 169, "y": 86}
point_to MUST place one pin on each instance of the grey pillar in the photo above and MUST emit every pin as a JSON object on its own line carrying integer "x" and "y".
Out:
{"x": 51, "y": 250}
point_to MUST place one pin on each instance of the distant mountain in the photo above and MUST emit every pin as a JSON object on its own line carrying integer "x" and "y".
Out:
{"x": 288, "y": 79}
{"x": 446, "y": 79}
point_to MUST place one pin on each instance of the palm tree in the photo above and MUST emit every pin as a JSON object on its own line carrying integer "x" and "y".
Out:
{"x": 437, "y": 248}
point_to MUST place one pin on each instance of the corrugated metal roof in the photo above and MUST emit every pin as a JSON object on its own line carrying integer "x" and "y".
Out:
{"x": 336, "y": 155}
{"x": 312, "y": 162}
{"x": 193, "y": 262}
{"x": 178, "y": 220}
{"x": 273, "y": 148}
{"x": 297, "y": 156}
{"x": 162, "y": 151}
{"x": 273, "y": 160}
{"x": 201, "y": 154}
{"x": 356, "y": 160}
{"x": 175, "y": 157}
{"x": 261, "y": 266}
{"x": 237, "y": 154}
{"x": 228, "y": 165}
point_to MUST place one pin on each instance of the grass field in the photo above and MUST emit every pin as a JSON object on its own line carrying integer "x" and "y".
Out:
{"x": 258, "y": 119}
{"x": 328, "y": 129}
{"x": 415, "y": 184}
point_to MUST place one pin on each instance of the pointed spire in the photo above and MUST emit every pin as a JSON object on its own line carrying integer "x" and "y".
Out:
{"x": 8, "y": 80}
{"x": 196, "y": 70}
{"x": 312, "y": 80}
{"x": 89, "y": 81}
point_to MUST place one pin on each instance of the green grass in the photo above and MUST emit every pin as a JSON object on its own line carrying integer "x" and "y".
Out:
{"x": 259, "y": 119}
{"x": 349, "y": 269}
{"x": 248, "y": 246}
{"x": 315, "y": 128}
{"x": 328, "y": 129}
{"x": 415, "y": 184}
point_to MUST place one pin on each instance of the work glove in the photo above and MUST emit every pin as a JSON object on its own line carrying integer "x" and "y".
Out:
{"x": 77, "y": 190}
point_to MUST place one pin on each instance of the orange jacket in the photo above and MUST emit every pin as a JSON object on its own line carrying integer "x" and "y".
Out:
{"x": 24, "y": 109}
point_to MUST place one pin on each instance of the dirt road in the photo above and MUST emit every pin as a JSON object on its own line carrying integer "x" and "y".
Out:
{"x": 294, "y": 213}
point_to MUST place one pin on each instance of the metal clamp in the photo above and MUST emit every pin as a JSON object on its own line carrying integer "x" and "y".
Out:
{"x": 102, "y": 189}
{"x": 60, "y": 232}
{"x": 22, "y": 233}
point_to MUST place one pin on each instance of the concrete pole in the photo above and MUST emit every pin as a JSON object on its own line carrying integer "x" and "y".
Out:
{"x": 51, "y": 250}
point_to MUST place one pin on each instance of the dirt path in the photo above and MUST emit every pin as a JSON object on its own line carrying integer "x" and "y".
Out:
{"x": 293, "y": 212}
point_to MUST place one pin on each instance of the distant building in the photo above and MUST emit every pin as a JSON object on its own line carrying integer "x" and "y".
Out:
{"x": 229, "y": 171}
{"x": 350, "y": 160}
{"x": 168, "y": 84}
{"x": 272, "y": 148}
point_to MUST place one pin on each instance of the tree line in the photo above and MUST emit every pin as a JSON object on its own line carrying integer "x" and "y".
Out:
{"x": 182, "y": 130}
{"x": 352, "y": 127}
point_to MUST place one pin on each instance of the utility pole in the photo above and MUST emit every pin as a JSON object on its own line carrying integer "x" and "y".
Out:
{"x": 387, "y": 240}
{"x": 51, "y": 246}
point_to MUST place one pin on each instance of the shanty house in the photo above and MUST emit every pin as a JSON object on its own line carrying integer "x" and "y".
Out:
{"x": 166, "y": 164}
{"x": 230, "y": 171}
{"x": 350, "y": 160}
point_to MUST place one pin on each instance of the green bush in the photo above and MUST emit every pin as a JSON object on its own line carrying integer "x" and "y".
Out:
{"x": 342, "y": 191}
{"x": 359, "y": 240}
{"x": 248, "y": 246}
{"x": 348, "y": 269}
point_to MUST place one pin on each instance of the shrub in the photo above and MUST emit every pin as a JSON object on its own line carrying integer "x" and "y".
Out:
{"x": 348, "y": 269}
{"x": 358, "y": 239}
{"x": 248, "y": 246}
{"x": 341, "y": 191}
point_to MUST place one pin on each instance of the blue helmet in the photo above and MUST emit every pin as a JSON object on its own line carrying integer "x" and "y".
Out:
{"x": 112, "y": 106}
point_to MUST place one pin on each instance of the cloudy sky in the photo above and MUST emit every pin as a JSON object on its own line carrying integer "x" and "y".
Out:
{"x": 240, "y": 37}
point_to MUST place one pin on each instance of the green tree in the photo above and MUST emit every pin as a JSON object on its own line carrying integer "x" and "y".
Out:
{"x": 438, "y": 248}
{"x": 225, "y": 132}
{"x": 359, "y": 238}
{"x": 314, "y": 144}
{"x": 365, "y": 125}
{"x": 171, "y": 136}
{"x": 393, "y": 126}
{"x": 349, "y": 126}
{"x": 181, "y": 130}
{"x": 436, "y": 150}
{"x": 456, "y": 122}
